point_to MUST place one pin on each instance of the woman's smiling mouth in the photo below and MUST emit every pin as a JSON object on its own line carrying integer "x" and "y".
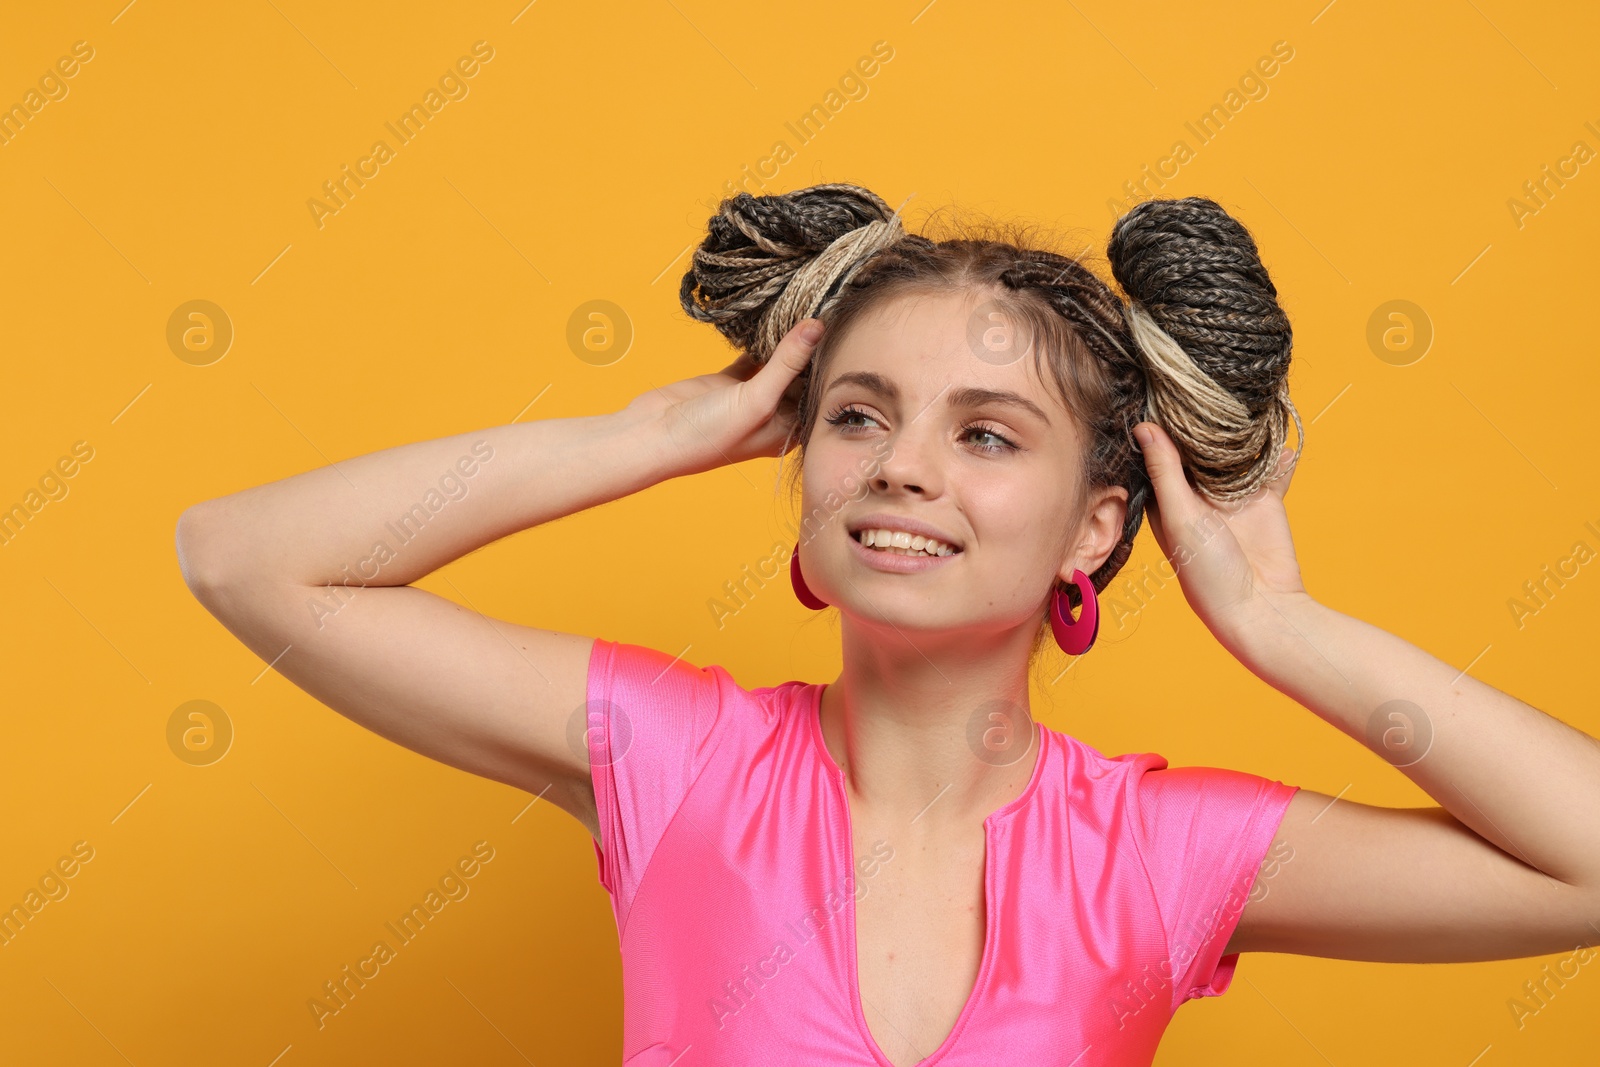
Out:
{"x": 899, "y": 545}
{"x": 903, "y": 543}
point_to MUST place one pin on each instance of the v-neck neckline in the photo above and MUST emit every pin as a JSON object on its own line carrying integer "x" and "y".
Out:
{"x": 990, "y": 938}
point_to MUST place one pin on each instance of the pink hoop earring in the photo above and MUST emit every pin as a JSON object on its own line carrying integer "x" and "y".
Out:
{"x": 1075, "y": 637}
{"x": 798, "y": 580}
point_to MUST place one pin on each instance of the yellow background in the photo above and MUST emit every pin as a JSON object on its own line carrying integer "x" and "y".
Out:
{"x": 1377, "y": 167}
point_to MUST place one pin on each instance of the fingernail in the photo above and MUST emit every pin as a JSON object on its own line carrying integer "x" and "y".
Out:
{"x": 811, "y": 332}
{"x": 1142, "y": 432}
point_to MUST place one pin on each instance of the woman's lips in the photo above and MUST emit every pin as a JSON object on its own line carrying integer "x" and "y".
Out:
{"x": 895, "y": 562}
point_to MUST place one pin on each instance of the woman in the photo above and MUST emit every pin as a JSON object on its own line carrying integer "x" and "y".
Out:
{"x": 901, "y": 866}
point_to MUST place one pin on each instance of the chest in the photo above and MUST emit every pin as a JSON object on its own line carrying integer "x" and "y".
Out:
{"x": 920, "y": 925}
{"x": 773, "y": 917}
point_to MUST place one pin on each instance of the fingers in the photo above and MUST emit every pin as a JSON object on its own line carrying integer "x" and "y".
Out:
{"x": 1161, "y": 459}
{"x": 791, "y": 357}
{"x": 798, "y": 346}
{"x": 1152, "y": 518}
{"x": 792, "y": 397}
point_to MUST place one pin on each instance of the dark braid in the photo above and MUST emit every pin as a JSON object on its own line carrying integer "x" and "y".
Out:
{"x": 770, "y": 261}
{"x": 1222, "y": 390}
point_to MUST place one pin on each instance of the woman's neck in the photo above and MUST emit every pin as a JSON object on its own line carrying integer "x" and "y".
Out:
{"x": 932, "y": 729}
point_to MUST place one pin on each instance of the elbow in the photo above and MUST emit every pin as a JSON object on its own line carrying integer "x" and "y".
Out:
{"x": 202, "y": 558}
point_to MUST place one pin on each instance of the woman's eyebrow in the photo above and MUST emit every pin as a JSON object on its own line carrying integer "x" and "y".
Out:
{"x": 964, "y": 397}
{"x": 972, "y": 397}
{"x": 876, "y": 383}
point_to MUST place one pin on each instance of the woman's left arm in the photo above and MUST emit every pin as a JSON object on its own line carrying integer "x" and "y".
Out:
{"x": 1507, "y": 866}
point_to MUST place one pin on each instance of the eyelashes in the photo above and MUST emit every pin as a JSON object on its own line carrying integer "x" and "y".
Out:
{"x": 841, "y": 417}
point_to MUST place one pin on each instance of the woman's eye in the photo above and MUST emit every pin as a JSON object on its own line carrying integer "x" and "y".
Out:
{"x": 845, "y": 417}
{"x": 994, "y": 442}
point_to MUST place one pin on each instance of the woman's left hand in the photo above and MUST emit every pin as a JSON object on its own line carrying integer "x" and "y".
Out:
{"x": 1233, "y": 559}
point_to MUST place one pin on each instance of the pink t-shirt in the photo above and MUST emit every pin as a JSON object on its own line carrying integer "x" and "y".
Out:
{"x": 1112, "y": 885}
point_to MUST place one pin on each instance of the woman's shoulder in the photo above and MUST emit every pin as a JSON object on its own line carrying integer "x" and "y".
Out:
{"x": 1148, "y": 777}
{"x": 1084, "y": 760}
{"x": 1144, "y": 785}
{"x": 642, "y": 675}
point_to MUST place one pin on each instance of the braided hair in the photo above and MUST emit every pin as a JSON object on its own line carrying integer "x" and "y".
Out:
{"x": 1200, "y": 347}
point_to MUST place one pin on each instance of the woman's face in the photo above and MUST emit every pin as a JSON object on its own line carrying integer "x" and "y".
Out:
{"x": 932, "y": 432}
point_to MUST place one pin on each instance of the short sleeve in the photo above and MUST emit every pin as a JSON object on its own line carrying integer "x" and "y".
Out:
{"x": 1202, "y": 833}
{"x": 648, "y": 717}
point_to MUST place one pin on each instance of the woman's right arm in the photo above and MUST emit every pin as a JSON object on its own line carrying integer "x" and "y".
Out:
{"x": 313, "y": 572}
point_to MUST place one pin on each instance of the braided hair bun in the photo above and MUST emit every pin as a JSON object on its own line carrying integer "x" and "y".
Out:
{"x": 769, "y": 262}
{"x": 1205, "y": 316}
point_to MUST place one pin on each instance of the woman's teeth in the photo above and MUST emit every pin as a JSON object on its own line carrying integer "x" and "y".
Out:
{"x": 904, "y": 544}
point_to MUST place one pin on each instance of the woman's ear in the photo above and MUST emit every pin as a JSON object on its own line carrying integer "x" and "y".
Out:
{"x": 1101, "y": 532}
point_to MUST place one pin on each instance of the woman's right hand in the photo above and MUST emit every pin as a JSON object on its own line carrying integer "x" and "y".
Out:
{"x": 742, "y": 412}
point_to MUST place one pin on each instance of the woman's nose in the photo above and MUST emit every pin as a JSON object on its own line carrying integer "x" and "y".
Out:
{"x": 912, "y": 465}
